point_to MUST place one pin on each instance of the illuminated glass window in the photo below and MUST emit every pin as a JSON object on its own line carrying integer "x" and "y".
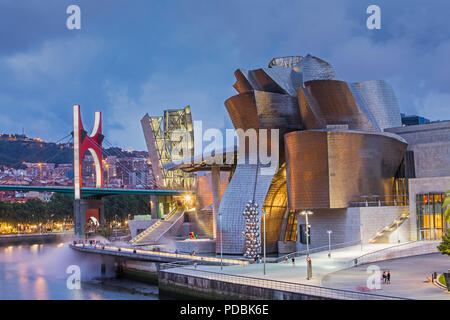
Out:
{"x": 430, "y": 216}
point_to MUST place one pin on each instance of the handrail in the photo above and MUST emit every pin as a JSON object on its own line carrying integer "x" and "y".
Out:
{"x": 170, "y": 214}
{"x": 126, "y": 250}
{"x": 358, "y": 260}
{"x": 314, "y": 250}
{"x": 170, "y": 227}
{"x": 308, "y": 289}
{"x": 153, "y": 226}
{"x": 380, "y": 231}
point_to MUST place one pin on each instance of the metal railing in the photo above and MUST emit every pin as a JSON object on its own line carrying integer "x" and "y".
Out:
{"x": 381, "y": 201}
{"x": 305, "y": 289}
{"x": 424, "y": 248}
{"x": 134, "y": 252}
{"x": 394, "y": 225}
{"x": 315, "y": 250}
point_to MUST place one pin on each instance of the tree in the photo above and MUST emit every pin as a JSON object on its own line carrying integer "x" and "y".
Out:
{"x": 444, "y": 247}
{"x": 446, "y": 206}
{"x": 60, "y": 207}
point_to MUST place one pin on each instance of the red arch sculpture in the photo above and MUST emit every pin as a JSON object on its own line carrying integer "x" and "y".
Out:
{"x": 83, "y": 142}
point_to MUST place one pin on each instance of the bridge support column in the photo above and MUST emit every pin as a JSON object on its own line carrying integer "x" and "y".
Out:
{"x": 154, "y": 206}
{"x": 84, "y": 209}
{"x": 79, "y": 218}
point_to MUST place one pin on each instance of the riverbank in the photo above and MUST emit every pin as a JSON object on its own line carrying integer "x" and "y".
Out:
{"x": 31, "y": 238}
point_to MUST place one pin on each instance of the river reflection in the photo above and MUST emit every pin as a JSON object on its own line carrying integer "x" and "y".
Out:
{"x": 38, "y": 272}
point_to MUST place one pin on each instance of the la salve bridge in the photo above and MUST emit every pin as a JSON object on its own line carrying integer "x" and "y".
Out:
{"x": 88, "y": 201}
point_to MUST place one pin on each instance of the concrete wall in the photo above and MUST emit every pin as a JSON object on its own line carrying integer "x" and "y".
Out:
{"x": 187, "y": 286}
{"x": 136, "y": 225}
{"x": 344, "y": 224}
{"x": 373, "y": 219}
{"x": 424, "y": 185}
{"x": 28, "y": 238}
{"x": 431, "y": 146}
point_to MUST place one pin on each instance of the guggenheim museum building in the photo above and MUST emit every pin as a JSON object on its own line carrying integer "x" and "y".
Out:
{"x": 344, "y": 156}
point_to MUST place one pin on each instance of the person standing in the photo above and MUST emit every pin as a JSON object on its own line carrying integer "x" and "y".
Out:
{"x": 293, "y": 261}
{"x": 384, "y": 276}
{"x": 388, "y": 277}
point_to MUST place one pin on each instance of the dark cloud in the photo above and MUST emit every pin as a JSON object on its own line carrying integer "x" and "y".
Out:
{"x": 143, "y": 56}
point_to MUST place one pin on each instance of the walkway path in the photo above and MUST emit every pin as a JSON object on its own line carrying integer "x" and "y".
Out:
{"x": 408, "y": 277}
{"x": 286, "y": 271}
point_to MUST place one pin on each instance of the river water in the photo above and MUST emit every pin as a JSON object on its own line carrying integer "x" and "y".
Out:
{"x": 38, "y": 272}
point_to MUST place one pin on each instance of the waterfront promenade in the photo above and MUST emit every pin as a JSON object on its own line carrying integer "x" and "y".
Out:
{"x": 408, "y": 277}
{"x": 293, "y": 277}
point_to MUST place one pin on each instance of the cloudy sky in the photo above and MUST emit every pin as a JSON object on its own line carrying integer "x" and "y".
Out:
{"x": 134, "y": 57}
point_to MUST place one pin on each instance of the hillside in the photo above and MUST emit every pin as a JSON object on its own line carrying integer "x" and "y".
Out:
{"x": 18, "y": 149}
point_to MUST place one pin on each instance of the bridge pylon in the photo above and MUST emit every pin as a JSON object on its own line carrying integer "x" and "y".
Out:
{"x": 83, "y": 142}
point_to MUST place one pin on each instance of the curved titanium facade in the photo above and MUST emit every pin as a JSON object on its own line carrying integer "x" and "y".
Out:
{"x": 332, "y": 147}
{"x": 381, "y": 101}
{"x": 260, "y": 109}
{"x": 246, "y": 184}
{"x": 331, "y": 102}
{"x": 329, "y": 169}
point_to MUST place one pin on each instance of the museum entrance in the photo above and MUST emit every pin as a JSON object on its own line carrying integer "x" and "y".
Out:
{"x": 430, "y": 216}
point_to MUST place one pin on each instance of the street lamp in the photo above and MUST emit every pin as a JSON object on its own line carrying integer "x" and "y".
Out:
{"x": 221, "y": 242}
{"x": 397, "y": 221}
{"x": 306, "y": 213}
{"x": 329, "y": 242}
{"x": 361, "y": 235}
{"x": 264, "y": 228}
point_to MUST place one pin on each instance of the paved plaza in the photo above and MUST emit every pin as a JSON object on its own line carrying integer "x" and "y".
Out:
{"x": 408, "y": 274}
{"x": 287, "y": 271}
{"x": 408, "y": 277}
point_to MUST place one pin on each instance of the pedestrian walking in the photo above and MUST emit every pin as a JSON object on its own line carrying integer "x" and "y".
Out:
{"x": 388, "y": 277}
{"x": 384, "y": 276}
{"x": 293, "y": 261}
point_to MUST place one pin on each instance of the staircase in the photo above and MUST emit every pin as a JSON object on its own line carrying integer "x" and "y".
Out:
{"x": 154, "y": 233}
{"x": 382, "y": 236}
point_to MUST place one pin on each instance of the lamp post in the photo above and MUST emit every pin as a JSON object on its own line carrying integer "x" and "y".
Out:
{"x": 221, "y": 242}
{"x": 329, "y": 242}
{"x": 264, "y": 226}
{"x": 361, "y": 235}
{"x": 306, "y": 213}
{"x": 397, "y": 221}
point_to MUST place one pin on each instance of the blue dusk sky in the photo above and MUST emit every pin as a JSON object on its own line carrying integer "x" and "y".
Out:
{"x": 139, "y": 56}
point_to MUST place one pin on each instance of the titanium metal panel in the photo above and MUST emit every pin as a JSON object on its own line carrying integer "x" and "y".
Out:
{"x": 259, "y": 109}
{"x": 307, "y": 169}
{"x": 381, "y": 101}
{"x": 284, "y": 75}
{"x": 338, "y": 167}
{"x": 331, "y": 102}
{"x": 247, "y": 183}
{"x": 314, "y": 68}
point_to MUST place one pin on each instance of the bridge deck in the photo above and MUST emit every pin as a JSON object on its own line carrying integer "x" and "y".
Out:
{"x": 154, "y": 256}
{"x": 89, "y": 192}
